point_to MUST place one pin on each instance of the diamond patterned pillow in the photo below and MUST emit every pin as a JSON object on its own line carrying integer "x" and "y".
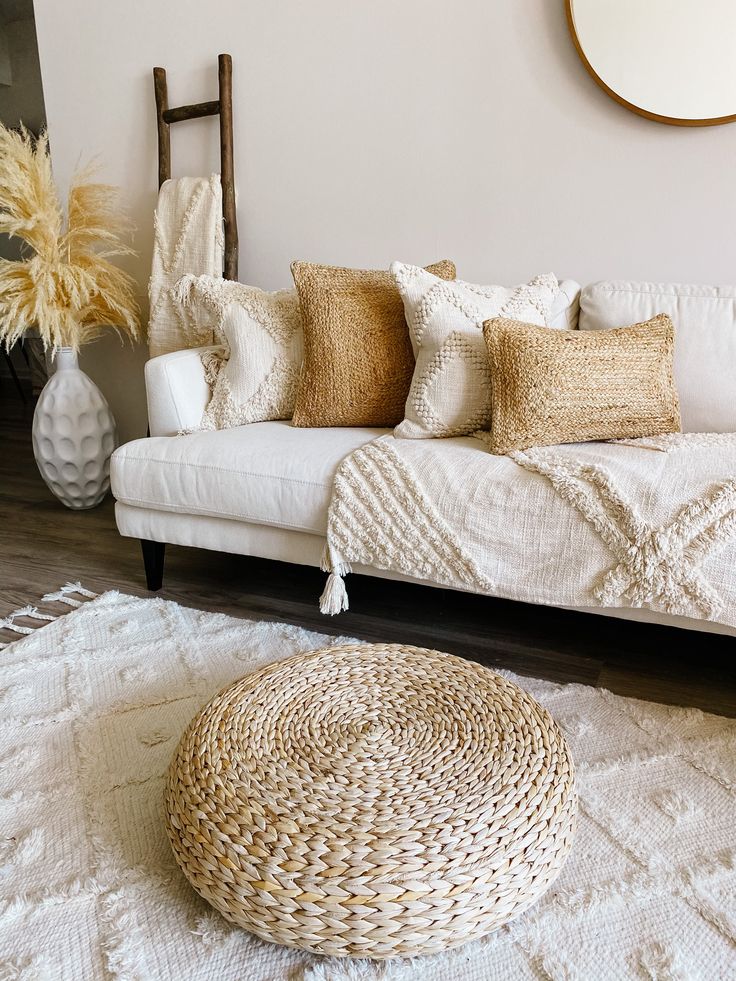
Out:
{"x": 450, "y": 391}
{"x": 263, "y": 338}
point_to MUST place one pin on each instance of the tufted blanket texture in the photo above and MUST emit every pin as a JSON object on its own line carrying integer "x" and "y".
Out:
{"x": 188, "y": 238}
{"x": 641, "y": 523}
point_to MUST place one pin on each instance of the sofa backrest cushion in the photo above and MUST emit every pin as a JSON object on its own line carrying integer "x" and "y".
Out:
{"x": 705, "y": 340}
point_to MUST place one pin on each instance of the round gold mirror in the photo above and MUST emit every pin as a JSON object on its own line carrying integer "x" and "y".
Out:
{"x": 669, "y": 60}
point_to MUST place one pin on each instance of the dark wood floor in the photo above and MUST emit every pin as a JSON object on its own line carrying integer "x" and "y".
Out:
{"x": 42, "y": 545}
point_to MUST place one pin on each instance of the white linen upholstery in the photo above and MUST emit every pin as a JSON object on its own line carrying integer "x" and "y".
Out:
{"x": 219, "y": 534}
{"x": 268, "y": 473}
{"x": 705, "y": 341}
{"x": 177, "y": 391}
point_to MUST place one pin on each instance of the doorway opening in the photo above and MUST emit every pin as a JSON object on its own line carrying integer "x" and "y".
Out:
{"x": 23, "y": 369}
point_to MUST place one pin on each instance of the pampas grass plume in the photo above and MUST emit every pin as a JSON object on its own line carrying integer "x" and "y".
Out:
{"x": 66, "y": 287}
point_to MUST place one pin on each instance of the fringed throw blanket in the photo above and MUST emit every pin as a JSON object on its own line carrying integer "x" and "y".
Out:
{"x": 188, "y": 239}
{"x": 639, "y": 523}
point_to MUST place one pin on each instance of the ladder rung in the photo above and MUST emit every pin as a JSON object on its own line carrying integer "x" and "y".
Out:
{"x": 191, "y": 112}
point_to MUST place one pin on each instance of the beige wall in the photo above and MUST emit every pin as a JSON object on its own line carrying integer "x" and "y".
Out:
{"x": 368, "y": 131}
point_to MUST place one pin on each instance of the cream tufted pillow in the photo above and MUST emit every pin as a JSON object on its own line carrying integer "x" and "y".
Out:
{"x": 450, "y": 392}
{"x": 263, "y": 339}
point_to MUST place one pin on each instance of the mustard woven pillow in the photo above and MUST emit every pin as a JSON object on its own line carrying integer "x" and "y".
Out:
{"x": 569, "y": 386}
{"x": 358, "y": 360}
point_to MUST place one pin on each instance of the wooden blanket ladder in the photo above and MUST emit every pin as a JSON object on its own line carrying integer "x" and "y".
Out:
{"x": 222, "y": 107}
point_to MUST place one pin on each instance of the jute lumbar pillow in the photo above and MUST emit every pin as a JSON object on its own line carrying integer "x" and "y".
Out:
{"x": 262, "y": 337}
{"x": 450, "y": 391}
{"x": 358, "y": 360}
{"x": 572, "y": 386}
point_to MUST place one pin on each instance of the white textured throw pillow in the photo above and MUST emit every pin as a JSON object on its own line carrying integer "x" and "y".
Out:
{"x": 263, "y": 338}
{"x": 450, "y": 392}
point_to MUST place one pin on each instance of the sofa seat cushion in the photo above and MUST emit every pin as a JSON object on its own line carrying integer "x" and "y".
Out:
{"x": 267, "y": 473}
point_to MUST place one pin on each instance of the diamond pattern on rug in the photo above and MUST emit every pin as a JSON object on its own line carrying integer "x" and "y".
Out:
{"x": 89, "y": 888}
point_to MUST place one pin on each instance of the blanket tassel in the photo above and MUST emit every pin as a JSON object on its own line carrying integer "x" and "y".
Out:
{"x": 334, "y": 598}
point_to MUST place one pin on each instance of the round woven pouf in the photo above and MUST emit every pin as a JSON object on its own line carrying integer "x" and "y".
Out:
{"x": 371, "y": 800}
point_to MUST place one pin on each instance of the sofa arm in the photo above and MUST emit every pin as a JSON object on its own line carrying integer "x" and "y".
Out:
{"x": 177, "y": 391}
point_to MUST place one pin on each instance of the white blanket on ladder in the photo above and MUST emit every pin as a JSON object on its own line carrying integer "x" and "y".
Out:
{"x": 188, "y": 239}
{"x": 649, "y": 523}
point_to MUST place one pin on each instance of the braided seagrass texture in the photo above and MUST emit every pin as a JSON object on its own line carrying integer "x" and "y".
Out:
{"x": 358, "y": 361}
{"x": 371, "y": 800}
{"x": 573, "y": 386}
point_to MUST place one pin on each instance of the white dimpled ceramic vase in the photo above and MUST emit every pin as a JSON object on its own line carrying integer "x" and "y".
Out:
{"x": 73, "y": 435}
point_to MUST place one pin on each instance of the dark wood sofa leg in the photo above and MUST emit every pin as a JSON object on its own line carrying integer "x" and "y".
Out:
{"x": 153, "y": 560}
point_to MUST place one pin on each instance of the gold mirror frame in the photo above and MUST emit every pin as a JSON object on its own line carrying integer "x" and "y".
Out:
{"x": 671, "y": 120}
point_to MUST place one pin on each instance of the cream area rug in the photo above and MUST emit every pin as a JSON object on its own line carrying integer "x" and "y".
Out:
{"x": 91, "y": 708}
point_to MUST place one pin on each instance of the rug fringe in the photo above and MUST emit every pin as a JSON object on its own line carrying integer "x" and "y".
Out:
{"x": 62, "y": 595}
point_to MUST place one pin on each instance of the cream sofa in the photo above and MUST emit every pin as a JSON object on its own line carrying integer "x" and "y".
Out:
{"x": 264, "y": 489}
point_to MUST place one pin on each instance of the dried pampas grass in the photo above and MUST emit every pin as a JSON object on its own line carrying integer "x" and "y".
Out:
{"x": 68, "y": 288}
